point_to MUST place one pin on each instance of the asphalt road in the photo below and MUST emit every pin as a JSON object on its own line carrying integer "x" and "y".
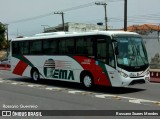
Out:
{"x": 19, "y": 93}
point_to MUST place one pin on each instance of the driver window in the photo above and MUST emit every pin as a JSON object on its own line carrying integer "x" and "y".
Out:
{"x": 101, "y": 50}
{"x": 111, "y": 58}
{"x": 105, "y": 52}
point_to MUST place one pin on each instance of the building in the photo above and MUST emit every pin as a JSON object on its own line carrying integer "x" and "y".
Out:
{"x": 75, "y": 27}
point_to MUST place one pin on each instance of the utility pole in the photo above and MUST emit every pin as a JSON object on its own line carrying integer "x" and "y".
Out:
{"x": 125, "y": 15}
{"x": 105, "y": 10}
{"x": 61, "y": 13}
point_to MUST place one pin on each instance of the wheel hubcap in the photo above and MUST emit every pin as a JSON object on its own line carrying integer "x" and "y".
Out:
{"x": 35, "y": 76}
{"x": 87, "y": 81}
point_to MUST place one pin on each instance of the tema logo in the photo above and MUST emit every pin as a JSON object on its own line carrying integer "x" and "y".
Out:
{"x": 54, "y": 69}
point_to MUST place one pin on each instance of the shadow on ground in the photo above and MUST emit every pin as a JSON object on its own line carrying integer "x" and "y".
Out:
{"x": 77, "y": 86}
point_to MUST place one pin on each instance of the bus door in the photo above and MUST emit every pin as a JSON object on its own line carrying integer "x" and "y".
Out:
{"x": 106, "y": 60}
{"x": 113, "y": 74}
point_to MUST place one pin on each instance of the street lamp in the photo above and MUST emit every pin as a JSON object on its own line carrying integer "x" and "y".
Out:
{"x": 105, "y": 10}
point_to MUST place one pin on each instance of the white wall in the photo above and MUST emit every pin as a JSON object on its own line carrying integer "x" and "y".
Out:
{"x": 152, "y": 44}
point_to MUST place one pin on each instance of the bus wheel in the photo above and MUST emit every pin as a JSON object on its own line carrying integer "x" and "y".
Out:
{"x": 87, "y": 81}
{"x": 35, "y": 75}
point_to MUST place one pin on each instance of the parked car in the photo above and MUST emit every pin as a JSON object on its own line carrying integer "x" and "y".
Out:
{"x": 6, "y": 61}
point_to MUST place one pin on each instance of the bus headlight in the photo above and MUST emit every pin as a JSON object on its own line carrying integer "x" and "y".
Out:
{"x": 123, "y": 74}
{"x": 148, "y": 72}
{"x": 147, "y": 78}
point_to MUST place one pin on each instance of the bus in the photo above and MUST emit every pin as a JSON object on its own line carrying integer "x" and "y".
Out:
{"x": 106, "y": 58}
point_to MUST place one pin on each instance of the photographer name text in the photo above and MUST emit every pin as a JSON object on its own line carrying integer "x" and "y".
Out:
{"x": 21, "y": 106}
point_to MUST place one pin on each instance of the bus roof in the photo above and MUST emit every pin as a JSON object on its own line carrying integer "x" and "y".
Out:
{"x": 72, "y": 34}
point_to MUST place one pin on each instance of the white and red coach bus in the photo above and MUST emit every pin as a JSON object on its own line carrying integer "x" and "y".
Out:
{"x": 108, "y": 58}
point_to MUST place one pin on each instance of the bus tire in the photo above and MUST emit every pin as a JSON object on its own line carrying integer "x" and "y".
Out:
{"x": 87, "y": 80}
{"x": 35, "y": 75}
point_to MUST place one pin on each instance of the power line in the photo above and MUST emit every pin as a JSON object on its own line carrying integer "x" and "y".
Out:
{"x": 31, "y": 18}
{"x": 51, "y": 13}
{"x": 141, "y": 17}
{"x": 130, "y": 19}
{"x": 63, "y": 10}
{"x": 136, "y": 17}
{"x": 78, "y": 7}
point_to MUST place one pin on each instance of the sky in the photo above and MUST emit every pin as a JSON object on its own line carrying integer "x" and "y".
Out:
{"x": 28, "y": 17}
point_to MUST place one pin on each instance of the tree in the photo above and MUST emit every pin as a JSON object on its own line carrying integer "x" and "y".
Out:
{"x": 3, "y": 42}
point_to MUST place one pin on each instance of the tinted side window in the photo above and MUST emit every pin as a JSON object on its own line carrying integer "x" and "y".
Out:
{"x": 66, "y": 46}
{"x": 35, "y": 47}
{"x": 84, "y": 46}
{"x": 102, "y": 50}
{"x": 26, "y": 48}
{"x": 50, "y": 47}
{"x": 20, "y": 47}
{"x": 70, "y": 45}
{"x": 15, "y": 48}
{"x": 80, "y": 46}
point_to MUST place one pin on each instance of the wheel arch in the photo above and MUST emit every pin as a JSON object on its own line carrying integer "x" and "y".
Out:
{"x": 33, "y": 69}
{"x": 85, "y": 72}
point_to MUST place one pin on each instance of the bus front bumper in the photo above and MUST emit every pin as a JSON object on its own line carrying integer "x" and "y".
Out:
{"x": 135, "y": 81}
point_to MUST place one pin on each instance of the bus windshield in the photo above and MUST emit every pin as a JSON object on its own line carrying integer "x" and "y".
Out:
{"x": 132, "y": 55}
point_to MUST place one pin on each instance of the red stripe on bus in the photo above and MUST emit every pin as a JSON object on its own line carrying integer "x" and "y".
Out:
{"x": 20, "y": 68}
{"x": 100, "y": 78}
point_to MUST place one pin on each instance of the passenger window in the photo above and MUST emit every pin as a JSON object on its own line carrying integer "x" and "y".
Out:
{"x": 35, "y": 47}
{"x": 66, "y": 46}
{"x": 15, "y": 48}
{"x": 50, "y": 47}
{"x": 25, "y": 47}
{"x": 101, "y": 50}
{"x": 84, "y": 46}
